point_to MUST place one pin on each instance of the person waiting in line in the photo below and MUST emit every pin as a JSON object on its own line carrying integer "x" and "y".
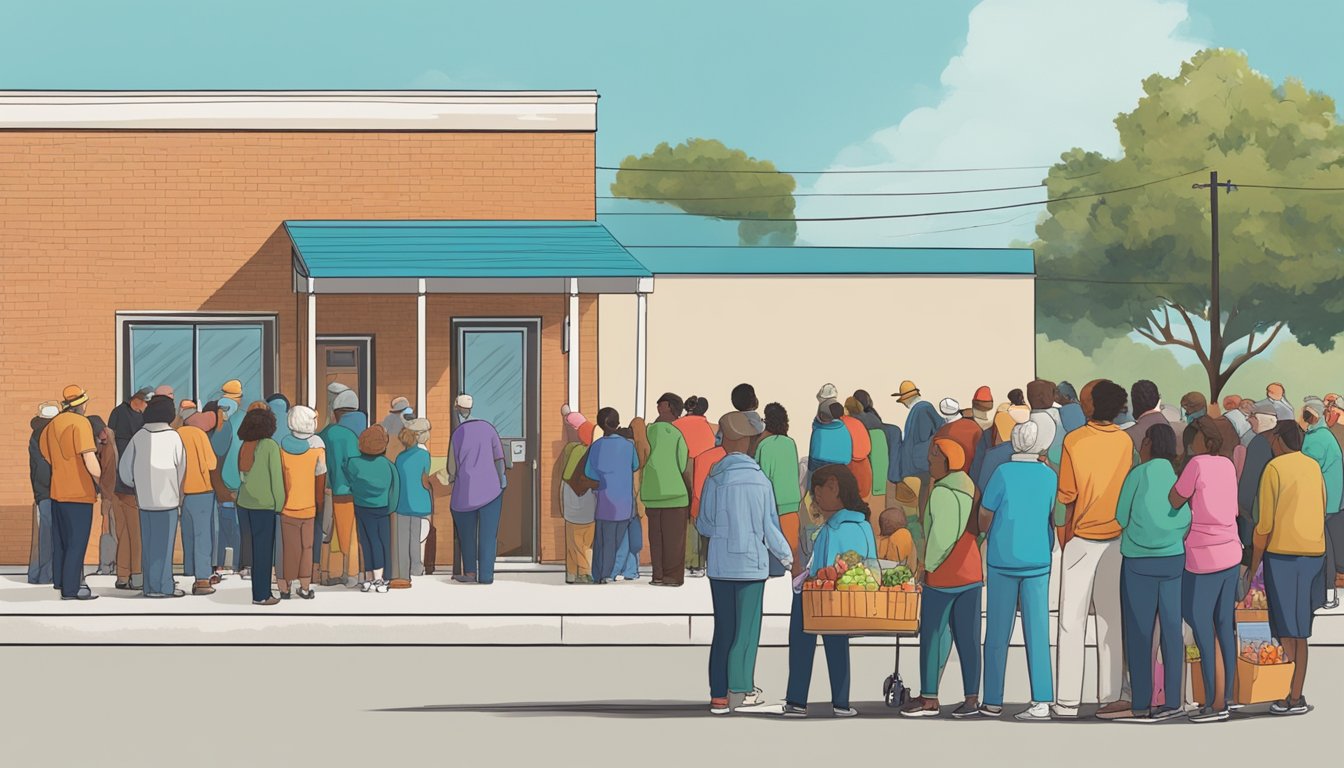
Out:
{"x": 398, "y": 414}
{"x": 1152, "y": 569}
{"x": 67, "y": 445}
{"x": 952, "y": 583}
{"x": 861, "y": 447}
{"x": 198, "y": 501}
{"x": 410, "y": 521}
{"x": 578, "y": 503}
{"x": 700, "y": 469}
{"x": 1208, "y": 482}
{"x": 107, "y": 495}
{"x": 155, "y": 464}
{"x": 279, "y": 405}
{"x": 228, "y": 547}
{"x": 375, "y": 488}
{"x": 304, "y": 463}
{"x": 739, "y": 516}
{"x": 777, "y": 455}
{"x": 845, "y": 527}
{"x": 39, "y": 477}
{"x": 831, "y": 442}
{"x": 879, "y": 458}
{"x": 338, "y": 554}
{"x": 1015, "y": 511}
{"x": 612, "y": 462}
{"x": 476, "y": 470}
{"x": 124, "y": 421}
{"x": 261, "y": 495}
{"x": 744, "y": 401}
{"x": 895, "y": 543}
{"x": 665, "y": 490}
{"x": 695, "y": 427}
{"x": 1290, "y": 542}
{"x": 1321, "y": 446}
{"x": 1003, "y": 422}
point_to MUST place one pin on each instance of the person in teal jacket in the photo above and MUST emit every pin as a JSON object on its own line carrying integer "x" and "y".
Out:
{"x": 847, "y": 528}
{"x": 375, "y": 488}
{"x": 341, "y": 438}
{"x": 261, "y": 496}
{"x": 1320, "y": 444}
{"x": 831, "y": 443}
{"x": 1152, "y": 546}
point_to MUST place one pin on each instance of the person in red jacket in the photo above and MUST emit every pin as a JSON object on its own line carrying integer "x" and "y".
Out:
{"x": 860, "y": 464}
{"x": 701, "y": 465}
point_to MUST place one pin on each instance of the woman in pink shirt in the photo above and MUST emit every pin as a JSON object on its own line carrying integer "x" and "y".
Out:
{"x": 1212, "y": 556}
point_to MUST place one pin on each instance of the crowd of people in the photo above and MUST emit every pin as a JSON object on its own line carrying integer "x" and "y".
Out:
{"x": 259, "y": 492}
{"x": 1160, "y": 517}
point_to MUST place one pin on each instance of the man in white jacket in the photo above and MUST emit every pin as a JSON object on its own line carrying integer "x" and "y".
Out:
{"x": 154, "y": 464}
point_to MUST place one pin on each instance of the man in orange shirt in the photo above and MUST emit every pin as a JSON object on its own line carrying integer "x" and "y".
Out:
{"x": 68, "y": 446}
{"x": 701, "y": 466}
{"x": 1095, "y": 460}
{"x": 198, "y": 501}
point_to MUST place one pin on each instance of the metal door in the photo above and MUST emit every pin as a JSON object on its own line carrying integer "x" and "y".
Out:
{"x": 348, "y": 360}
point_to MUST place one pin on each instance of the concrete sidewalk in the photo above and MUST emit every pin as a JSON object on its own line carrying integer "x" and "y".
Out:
{"x": 532, "y": 608}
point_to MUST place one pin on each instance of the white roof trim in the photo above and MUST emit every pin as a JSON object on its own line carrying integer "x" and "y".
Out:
{"x": 567, "y": 111}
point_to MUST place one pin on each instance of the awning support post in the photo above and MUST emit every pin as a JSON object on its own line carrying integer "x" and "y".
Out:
{"x": 312, "y": 345}
{"x": 573, "y": 289}
{"x": 420, "y": 394}
{"x": 641, "y": 352}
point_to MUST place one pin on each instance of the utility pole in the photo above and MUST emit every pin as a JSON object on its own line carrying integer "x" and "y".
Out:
{"x": 1215, "y": 303}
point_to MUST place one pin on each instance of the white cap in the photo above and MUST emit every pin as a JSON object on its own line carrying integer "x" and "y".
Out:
{"x": 949, "y": 407}
{"x": 464, "y": 402}
{"x": 48, "y": 411}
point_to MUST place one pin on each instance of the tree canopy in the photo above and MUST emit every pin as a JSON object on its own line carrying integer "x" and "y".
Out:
{"x": 1139, "y": 260}
{"x": 707, "y": 178}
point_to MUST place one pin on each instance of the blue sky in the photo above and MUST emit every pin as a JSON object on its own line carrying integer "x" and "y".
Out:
{"x": 808, "y": 85}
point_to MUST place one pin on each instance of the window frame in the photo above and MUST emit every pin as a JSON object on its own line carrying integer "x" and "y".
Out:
{"x": 270, "y": 329}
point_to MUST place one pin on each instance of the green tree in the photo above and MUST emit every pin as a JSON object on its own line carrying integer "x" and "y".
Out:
{"x": 1139, "y": 260}
{"x": 707, "y": 178}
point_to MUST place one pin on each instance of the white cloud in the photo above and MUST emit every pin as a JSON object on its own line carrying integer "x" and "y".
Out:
{"x": 1036, "y": 78}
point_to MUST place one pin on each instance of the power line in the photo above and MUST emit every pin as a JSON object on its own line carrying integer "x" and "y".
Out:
{"x": 829, "y": 194}
{"x": 878, "y": 217}
{"x": 1018, "y": 217}
{"x": 1294, "y": 189}
{"x": 1039, "y": 278}
{"x": 829, "y": 172}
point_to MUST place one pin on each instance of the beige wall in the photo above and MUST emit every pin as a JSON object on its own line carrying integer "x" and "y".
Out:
{"x": 788, "y": 335}
{"x": 616, "y": 354}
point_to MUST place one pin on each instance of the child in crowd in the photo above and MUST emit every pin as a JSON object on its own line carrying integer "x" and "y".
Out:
{"x": 894, "y": 542}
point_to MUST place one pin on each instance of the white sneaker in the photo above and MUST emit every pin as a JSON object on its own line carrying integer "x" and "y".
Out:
{"x": 380, "y": 586}
{"x": 846, "y": 712}
{"x": 1038, "y": 710}
{"x": 365, "y": 586}
{"x": 753, "y": 699}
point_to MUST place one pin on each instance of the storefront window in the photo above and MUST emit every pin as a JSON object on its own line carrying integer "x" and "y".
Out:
{"x": 492, "y": 365}
{"x": 195, "y": 356}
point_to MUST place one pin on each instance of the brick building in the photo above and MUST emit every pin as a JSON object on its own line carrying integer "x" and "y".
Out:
{"x": 411, "y": 244}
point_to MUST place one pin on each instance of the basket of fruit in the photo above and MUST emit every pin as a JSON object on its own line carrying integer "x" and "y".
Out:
{"x": 1263, "y": 669}
{"x": 854, "y": 597}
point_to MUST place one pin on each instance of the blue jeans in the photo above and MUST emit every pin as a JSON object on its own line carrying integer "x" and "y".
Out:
{"x": 478, "y": 538}
{"x": 261, "y": 528}
{"x": 1150, "y": 592}
{"x": 1003, "y": 591}
{"x": 40, "y": 563}
{"x": 71, "y": 521}
{"x": 627, "y": 552}
{"x": 956, "y": 611}
{"x": 158, "y": 532}
{"x": 373, "y": 525}
{"x": 227, "y": 534}
{"x": 607, "y": 538}
{"x": 802, "y": 655}
{"x": 197, "y": 534}
{"x": 1208, "y": 602}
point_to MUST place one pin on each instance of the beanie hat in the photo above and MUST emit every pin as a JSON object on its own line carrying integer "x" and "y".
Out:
{"x": 346, "y": 399}
{"x": 302, "y": 420}
{"x": 956, "y": 455}
{"x": 48, "y": 410}
{"x": 827, "y": 392}
{"x": 982, "y": 395}
{"x": 421, "y": 428}
{"x": 1025, "y": 438}
{"x": 465, "y": 402}
{"x": 373, "y": 441}
{"x": 949, "y": 407}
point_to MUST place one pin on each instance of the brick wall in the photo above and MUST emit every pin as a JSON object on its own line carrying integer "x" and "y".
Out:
{"x": 96, "y": 222}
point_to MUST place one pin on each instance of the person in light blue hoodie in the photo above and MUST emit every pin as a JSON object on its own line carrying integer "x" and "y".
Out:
{"x": 836, "y": 494}
{"x": 739, "y": 516}
{"x": 830, "y": 443}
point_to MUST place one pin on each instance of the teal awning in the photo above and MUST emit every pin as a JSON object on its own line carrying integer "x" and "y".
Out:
{"x": 458, "y": 249}
{"x": 807, "y": 260}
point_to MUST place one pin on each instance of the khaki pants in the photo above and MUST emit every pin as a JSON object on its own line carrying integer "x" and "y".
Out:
{"x": 1090, "y": 579}
{"x": 579, "y": 549}
{"x": 340, "y": 556}
{"x": 296, "y": 544}
{"x": 127, "y": 519}
{"x": 695, "y": 548}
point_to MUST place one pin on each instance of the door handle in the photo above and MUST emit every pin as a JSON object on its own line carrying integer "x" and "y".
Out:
{"x": 534, "y": 465}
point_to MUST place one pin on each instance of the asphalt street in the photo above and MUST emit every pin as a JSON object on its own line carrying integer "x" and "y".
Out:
{"x": 350, "y": 706}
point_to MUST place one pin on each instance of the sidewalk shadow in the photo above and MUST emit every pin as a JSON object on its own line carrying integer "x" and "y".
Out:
{"x": 616, "y": 709}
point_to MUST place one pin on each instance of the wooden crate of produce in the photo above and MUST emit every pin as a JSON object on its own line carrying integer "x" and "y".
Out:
{"x": 1261, "y": 683}
{"x": 853, "y": 612}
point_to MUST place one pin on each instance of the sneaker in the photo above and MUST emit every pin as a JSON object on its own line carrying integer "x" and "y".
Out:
{"x": 202, "y": 587}
{"x": 284, "y": 595}
{"x": 755, "y": 698}
{"x": 83, "y": 594}
{"x": 215, "y": 578}
{"x": 1061, "y": 712}
{"x": 245, "y": 574}
{"x": 307, "y": 594}
{"x": 1116, "y": 710}
{"x": 126, "y": 585}
{"x": 793, "y": 710}
{"x": 1039, "y": 711}
{"x": 846, "y": 712}
{"x": 380, "y": 586}
{"x": 1211, "y": 715}
{"x": 695, "y": 573}
{"x": 921, "y": 707}
{"x": 719, "y": 707}
{"x": 987, "y": 710}
{"x": 365, "y": 586}
{"x": 1166, "y": 713}
{"x": 583, "y": 578}
{"x": 268, "y": 601}
{"x": 1286, "y": 707}
{"x": 967, "y": 710}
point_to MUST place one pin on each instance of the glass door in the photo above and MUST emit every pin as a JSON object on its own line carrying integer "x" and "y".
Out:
{"x": 348, "y": 360}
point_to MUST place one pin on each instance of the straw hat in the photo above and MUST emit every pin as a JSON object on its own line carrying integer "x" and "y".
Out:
{"x": 907, "y": 391}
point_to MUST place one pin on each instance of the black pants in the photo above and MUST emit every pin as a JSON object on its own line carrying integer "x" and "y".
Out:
{"x": 1334, "y": 548}
{"x": 260, "y": 526}
{"x": 244, "y": 553}
{"x": 73, "y": 521}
